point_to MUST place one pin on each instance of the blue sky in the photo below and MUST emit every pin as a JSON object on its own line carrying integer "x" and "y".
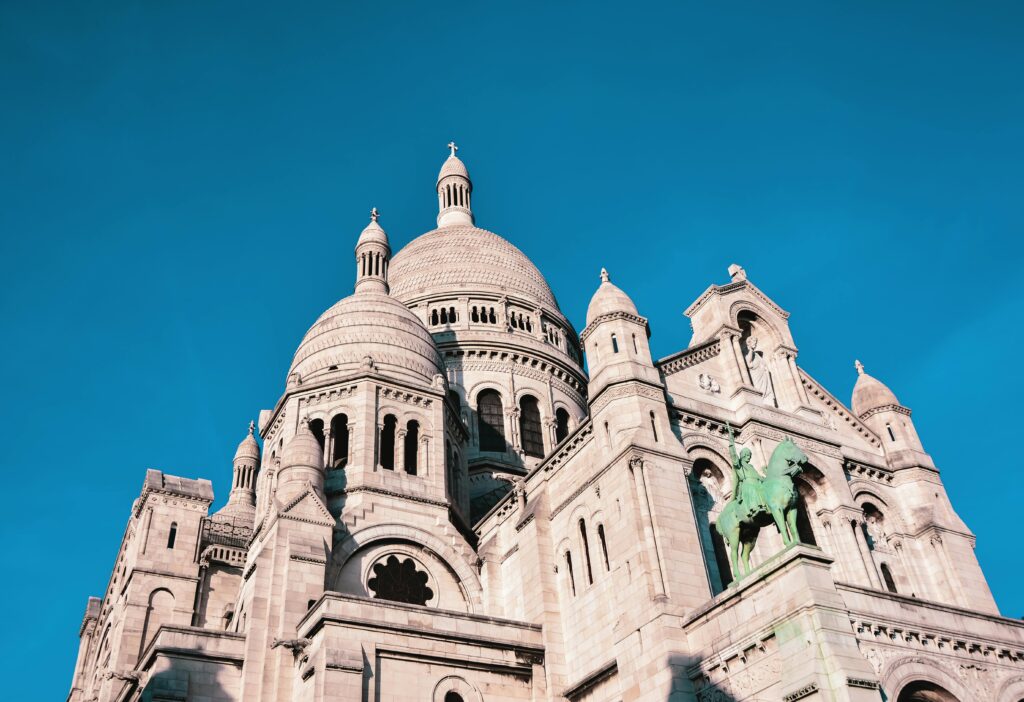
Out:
{"x": 183, "y": 183}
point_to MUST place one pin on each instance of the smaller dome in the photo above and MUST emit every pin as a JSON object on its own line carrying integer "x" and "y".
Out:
{"x": 302, "y": 450}
{"x": 373, "y": 232}
{"x": 609, "y": 298}
{"x": 870, "y": 393}
{"x": 453, "y": 166}
{"x": 249, "y": 448}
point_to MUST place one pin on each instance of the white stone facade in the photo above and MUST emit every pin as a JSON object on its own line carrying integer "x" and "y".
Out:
{"x": 448, "y": 508}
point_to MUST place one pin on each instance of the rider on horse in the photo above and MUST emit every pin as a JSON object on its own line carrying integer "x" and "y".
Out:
{"x": 746, "y": 481}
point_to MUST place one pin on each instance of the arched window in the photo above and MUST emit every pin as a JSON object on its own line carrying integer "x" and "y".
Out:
{"x": 561, "y": 424}
{"x": 451, "y": 315}
{"x": 491, "y": 421}
{"x": 434, "y": 320}
{"x": 890, "y": 583}
{"x": 412, "y": 441}
{"x": 339, "y": 441}
{"x": 316, "y": 427}
{"x": 530, "y": 428}
{"x": 568, "y": 569}
{"x": 387, "y": 442}
{"x": 474, "y": 315}
{"x": 925, "y": 691}
{"x": 654, "y": 427}
{"x": 493, "y": 319}
{"x": 586, "y": 551}
{"x": 444, "y": 316}
{"x": 615, "y": 344}
{"x": 172, "y": 535}
{"x": 453, "y": 697}
{"x": 604, "y": 546}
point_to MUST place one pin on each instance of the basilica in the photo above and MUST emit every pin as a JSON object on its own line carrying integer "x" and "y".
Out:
{"x": 444, "y": 505}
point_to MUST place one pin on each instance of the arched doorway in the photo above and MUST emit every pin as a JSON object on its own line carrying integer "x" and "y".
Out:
{"x": 925, "y": 691}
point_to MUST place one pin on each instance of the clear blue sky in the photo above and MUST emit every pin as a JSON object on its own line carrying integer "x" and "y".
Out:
{"x": 182, "y": 185}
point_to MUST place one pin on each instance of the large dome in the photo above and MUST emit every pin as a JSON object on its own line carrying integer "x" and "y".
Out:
{"x": 465, "y": 258}
{"x": 368, "y": 324}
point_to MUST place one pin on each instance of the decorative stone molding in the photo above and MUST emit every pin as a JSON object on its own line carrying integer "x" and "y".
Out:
{"x": 882, "y": 476}
{"x": 626, "y": 389}
{"x": 690, "y": 357}
{"x": 609, "y": 316}
{"x": 805, "y": 691}
{"x": 898, "y": 409}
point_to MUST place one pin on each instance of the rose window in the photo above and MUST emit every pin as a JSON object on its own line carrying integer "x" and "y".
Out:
{"x": 400, "y": 581}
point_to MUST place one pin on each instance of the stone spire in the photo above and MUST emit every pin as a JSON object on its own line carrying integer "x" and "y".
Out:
{"x": 242, "y": 500}
{"x": 373, "y": 255}
{"x": 453, "y": 192}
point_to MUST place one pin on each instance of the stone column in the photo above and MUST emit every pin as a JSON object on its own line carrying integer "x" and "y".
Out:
{"x": 327, "y": 446}
{"x": 657, "y": 576}
{"x": 400, "y": 435}
{"x": 865, "y": 554}
{"x": 513, "y": 426}
{"x": 422, "y": 456}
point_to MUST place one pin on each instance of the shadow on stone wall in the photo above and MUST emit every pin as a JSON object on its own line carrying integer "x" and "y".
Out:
{"x": 185, "y": 680}
{"x": 684, "y": 689}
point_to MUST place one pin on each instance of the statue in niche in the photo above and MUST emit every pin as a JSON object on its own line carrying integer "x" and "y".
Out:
{"x": 760, "y": 375}
{"x": 758, "y": 502}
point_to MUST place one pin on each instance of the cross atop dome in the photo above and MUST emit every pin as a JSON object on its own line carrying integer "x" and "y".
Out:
{"x": 374, "y": 214}
{"x": 453, "y": 147}
{"x": 604, "y": 275}
{"x": 859, "y": 366}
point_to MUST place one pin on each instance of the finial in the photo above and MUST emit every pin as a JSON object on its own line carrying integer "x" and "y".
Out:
{"x": 859, "y": 366}
{"x": 453, "y": 147}
{"x": 252, "y": 427}
{"x": 604, "y": 275}
{"x": 374, "y": 214}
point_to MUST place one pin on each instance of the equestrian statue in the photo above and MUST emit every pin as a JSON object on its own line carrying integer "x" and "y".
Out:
{"x": 759, "y": 501}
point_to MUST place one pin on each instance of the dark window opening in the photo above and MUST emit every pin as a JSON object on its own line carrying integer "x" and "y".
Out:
{"x": 400, "y": 581}
{"x": 803, "y": 523}
{"x": 453, "y": 697}
{"x": 654, "y": 427}
{"x": 586, "y": 551}
{"x": 172, "y": 535}
{"x": 721, "y": 557}
{"x": 530, "y": 427}
{"x": 412, "y": 441}
{"x": 568, "y": 568}
{"x": 890, "y": 584}
{"x": 892, "y": 437}
{"x": 491, "y": 421}
{"x": 387, "y": 443}
{"x": 316, "y": 427}
{"x": 604, "y": 546}
{"x": 561, "y": 424}
{"x": 339, "y": 441}
{"x": 615, "y": 344}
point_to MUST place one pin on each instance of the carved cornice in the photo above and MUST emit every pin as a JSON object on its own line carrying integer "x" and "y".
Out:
{"x": 609, "y": 316}
{"x": 733, "y": 287}
{"x": 898, "y": 409}
{"x": 626, "y": 389}
{"x": 882, "y": 476}
{"x": 392, "y": 493}
{"x": 690, "y": 357}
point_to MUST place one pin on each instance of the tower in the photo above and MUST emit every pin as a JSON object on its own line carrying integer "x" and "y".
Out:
{"x": 454, "y": 189}
{"x": 373, "y": 254}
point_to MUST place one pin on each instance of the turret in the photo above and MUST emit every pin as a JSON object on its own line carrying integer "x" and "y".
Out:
{"x": 373, "y": 255}
{"x": 454, "y": 189}
{"x": 876, "y": 405}
{"x": 242, "y": 500}
{"x": 301, "y": 462}
{"x": 616, "y": 343}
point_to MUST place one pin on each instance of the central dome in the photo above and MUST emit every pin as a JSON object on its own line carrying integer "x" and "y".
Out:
{"x": 465, "y": 258}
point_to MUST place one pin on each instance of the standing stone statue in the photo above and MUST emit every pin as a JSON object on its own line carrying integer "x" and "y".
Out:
{"x": 760, "y": 375}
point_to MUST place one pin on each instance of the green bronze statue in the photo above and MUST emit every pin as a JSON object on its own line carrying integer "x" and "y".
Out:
{"x": 758, "y": 502}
